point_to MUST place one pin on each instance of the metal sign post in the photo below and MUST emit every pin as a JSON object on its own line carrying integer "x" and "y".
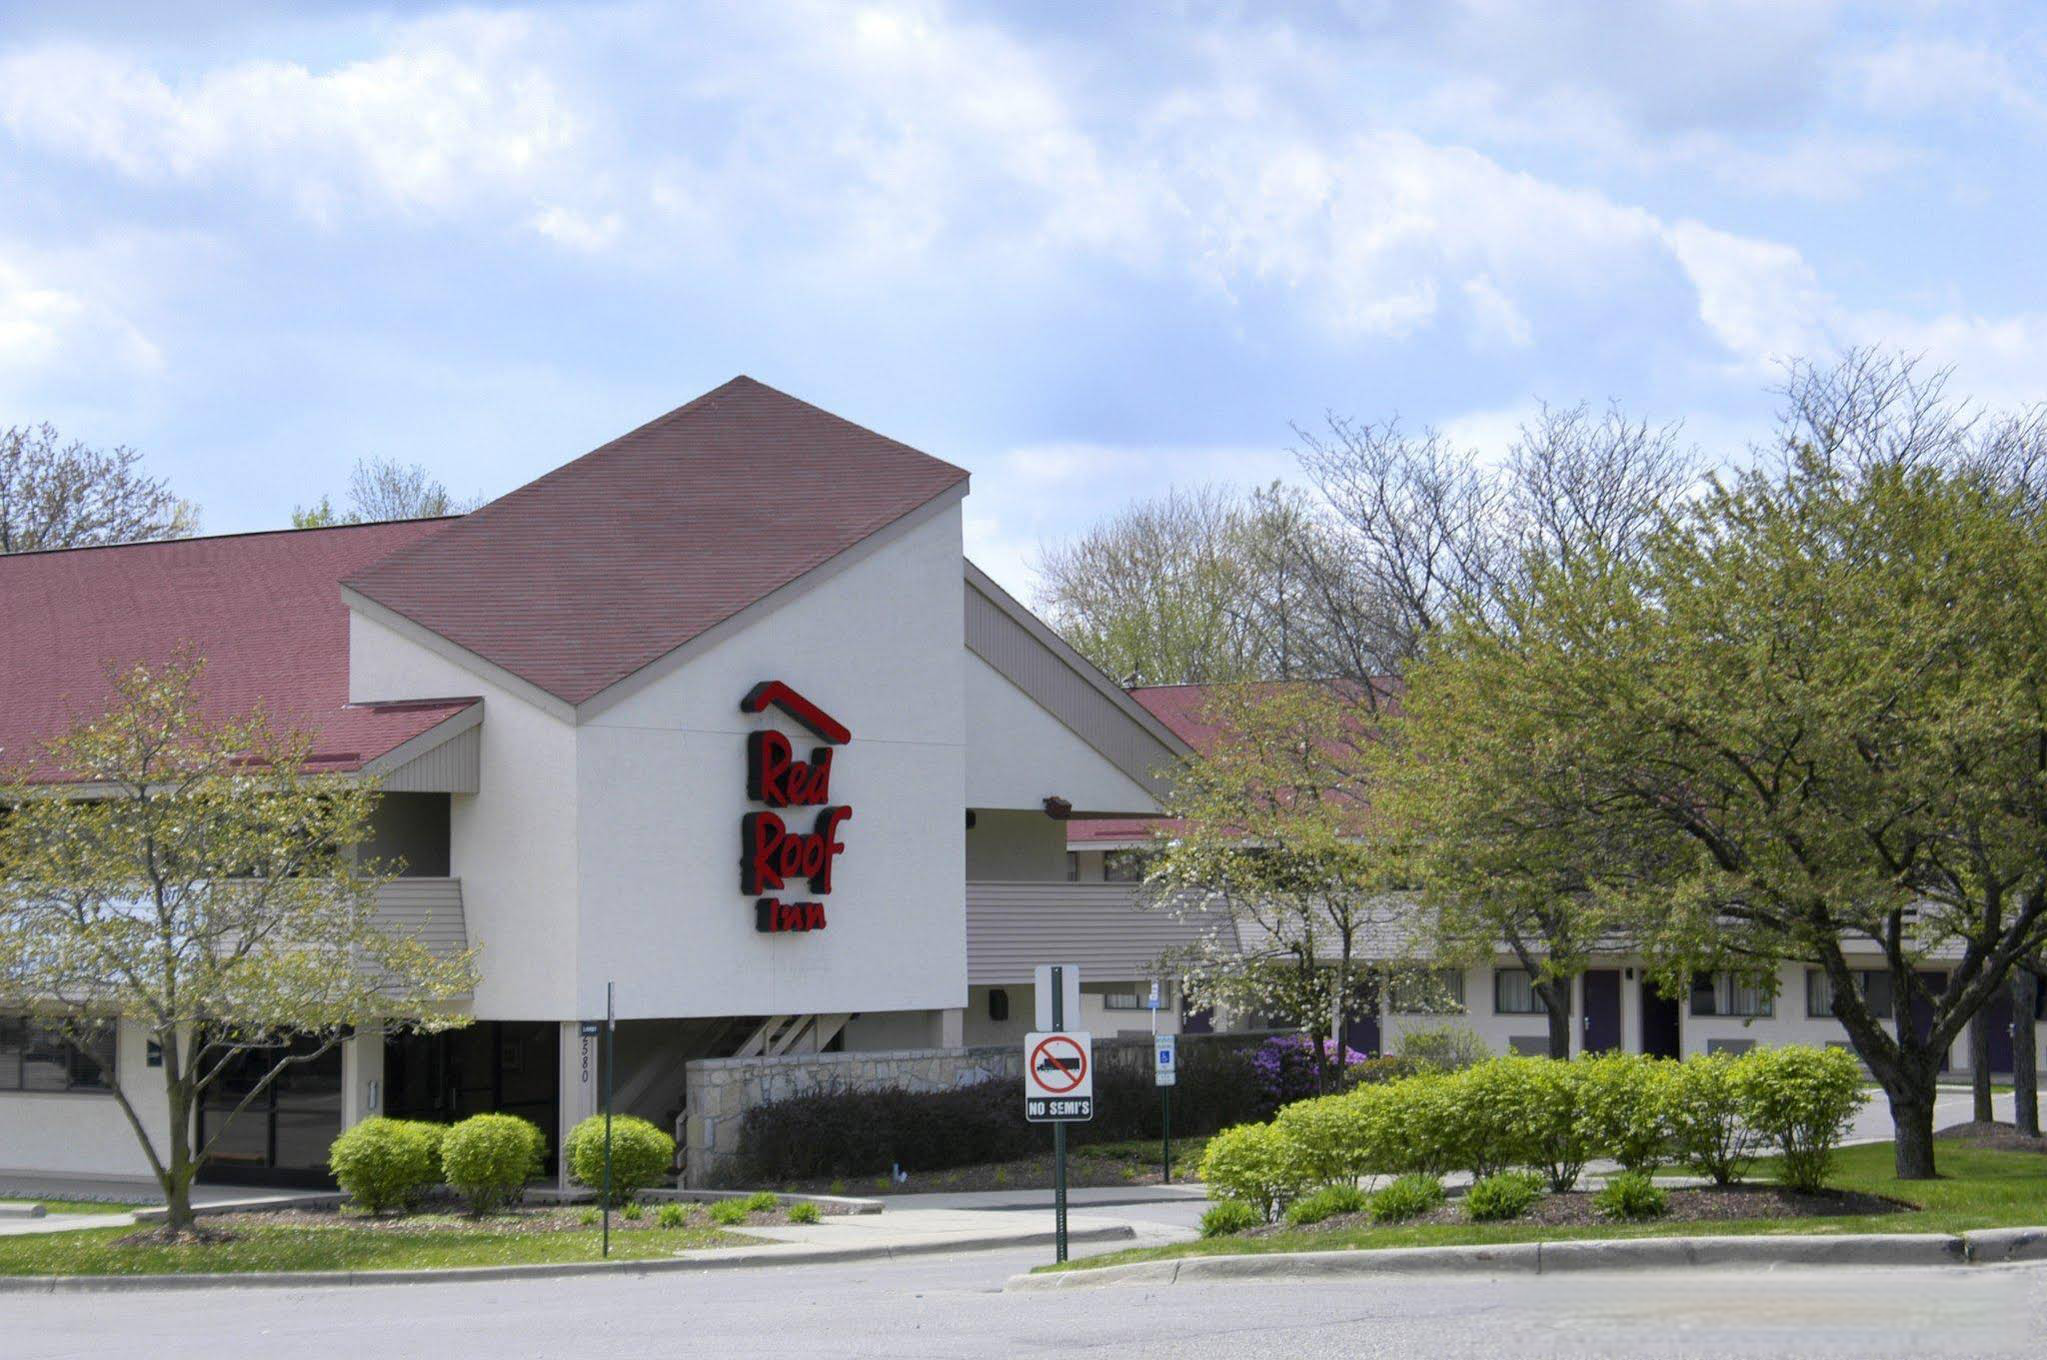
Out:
{"x": 610, "y": 1067}
{"x": 1059, "y": 1084}
{"x": 1165, "y": 1049}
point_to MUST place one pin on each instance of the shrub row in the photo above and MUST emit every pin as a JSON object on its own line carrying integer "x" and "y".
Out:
{"x": 1713, "y": 1113}
{"x": 388, "y": 1164}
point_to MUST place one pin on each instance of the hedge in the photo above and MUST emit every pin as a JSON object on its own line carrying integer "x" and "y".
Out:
{"x": 1714, "y": 1113}
{"x": 387, "y": 1163}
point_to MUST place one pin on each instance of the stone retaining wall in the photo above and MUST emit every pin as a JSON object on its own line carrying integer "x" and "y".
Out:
{"x": 721, "y": 1090}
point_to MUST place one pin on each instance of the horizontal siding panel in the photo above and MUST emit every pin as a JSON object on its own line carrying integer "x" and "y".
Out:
{"x": 1014, "y": 927}
{"x": 429, "y": 909}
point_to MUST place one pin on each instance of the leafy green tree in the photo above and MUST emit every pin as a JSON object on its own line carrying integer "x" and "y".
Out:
{"x": 1272, "y": 841}
{"x": 196, "y": 879}
{"x": 1809, "y": 717}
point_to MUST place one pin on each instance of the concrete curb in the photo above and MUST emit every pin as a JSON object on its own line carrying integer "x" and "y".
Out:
{"x": 729, "y": 1258}
{"x": 22, "y": 1211}
{"x": 845, "y": 1204}
{"x": 1986, "y": 1246}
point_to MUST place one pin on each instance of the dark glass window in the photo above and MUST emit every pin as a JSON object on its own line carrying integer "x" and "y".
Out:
{"x": 40, "y": 1055}
{"x": 1514, "y": 993}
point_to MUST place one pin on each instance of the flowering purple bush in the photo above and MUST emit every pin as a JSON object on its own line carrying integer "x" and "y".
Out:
{"x": 1284, "y": 1066}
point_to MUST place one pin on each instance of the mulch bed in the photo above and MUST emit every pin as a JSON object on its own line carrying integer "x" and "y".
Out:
{"x": 520, "y": 1221}
{"x": 1704, "y": 1204}
{"x": 1993, "y": 1136}
{"x": 1083, "y": 1171}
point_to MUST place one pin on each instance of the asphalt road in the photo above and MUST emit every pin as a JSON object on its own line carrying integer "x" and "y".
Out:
{"x": 951, "y": 1306}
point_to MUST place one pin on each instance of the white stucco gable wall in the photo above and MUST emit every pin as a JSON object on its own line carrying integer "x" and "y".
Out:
{"x": 661, "y": 789}
{"x": 513, "y": 842}
{"x": 1019, "y": 754}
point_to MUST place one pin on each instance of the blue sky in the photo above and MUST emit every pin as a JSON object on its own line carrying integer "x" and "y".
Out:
{"x": 1084, "y": 251}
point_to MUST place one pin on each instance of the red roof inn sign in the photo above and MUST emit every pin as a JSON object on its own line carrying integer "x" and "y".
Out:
{"x": 773, "y": 854}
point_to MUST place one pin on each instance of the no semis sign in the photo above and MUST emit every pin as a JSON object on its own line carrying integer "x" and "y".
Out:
{"x": 772, "y": 852}
{"x": 1059, "y": 1077}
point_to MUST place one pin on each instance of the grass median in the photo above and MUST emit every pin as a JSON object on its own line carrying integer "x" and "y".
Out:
{"x": 345, "y": 1244}
{"x": 1977, "y": 1188}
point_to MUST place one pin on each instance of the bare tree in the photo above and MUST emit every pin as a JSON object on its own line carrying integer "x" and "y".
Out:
{"x": 385, "y": 489}
{"x": 1159, "y": 593}
{"x": 56, "y": 493}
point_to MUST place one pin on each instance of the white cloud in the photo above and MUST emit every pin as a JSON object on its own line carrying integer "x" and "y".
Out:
{"x": 1760, "y": 299}
{"x": 55, "y": 318}
{"x": 456, "y": 111}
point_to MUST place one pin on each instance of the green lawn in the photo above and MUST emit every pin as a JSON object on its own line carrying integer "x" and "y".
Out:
{"x": 93, "y": 1251}
{"x": 1977, "y": 1189}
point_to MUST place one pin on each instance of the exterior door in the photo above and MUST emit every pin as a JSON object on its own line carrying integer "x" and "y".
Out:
{"x": 1922, "y": 1008}
{"x": 1662, "y": 1023}
{"x": 1602, "y": 1010}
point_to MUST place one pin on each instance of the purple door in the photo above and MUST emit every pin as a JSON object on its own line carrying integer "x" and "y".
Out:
{"x": 1602, "y": 1010}
{"x": 1921, "y": 1013}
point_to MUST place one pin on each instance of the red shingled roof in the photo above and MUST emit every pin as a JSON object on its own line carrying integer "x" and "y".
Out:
{"x": 1186, "y": 710}
{"x": 264, "y": 610}
{"x": 579, "y": 579}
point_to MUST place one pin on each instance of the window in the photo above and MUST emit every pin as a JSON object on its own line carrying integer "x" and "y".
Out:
{"x": 1125, "y": 866}
{"x": 1124, "y": 1001}
{"x": 1073, "y": 866}
{"x": 1435, "y": 991}
{"x": 1514, "y": 993}
{"x": 37, "y": 1055}
{"x": 1819, "y": 993}
{"x": 1729, "y": 994}
{"x": 998, "y": 1004}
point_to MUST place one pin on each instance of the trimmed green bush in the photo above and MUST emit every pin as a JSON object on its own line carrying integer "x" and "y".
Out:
{"x": 804, "y": 1212}
{"x": 1632, "y": 1195}
{"x": 1486, "y": 1119}
{"x": 762, "y": 1202}
{"x": 728, "y": 1212}
{"x": 1552, "y": 1113}
{"x": 1255, "y": 1163}
{"x": 1702, "y": 1104}
{"x": 1801, "y": 1100}
{"x": 1408, "y": 1197}
{"x": 1446, "y": 1048}
{"x": 640, "y": 1155}
{"x": 1228, "y": 1216}
{"x": 1329, "y": 1137}
{"x": 488, "y": 1158}
{"x": 672, "y": 1215}
{"x": 1624, "y": 1099}
{"x": 386, "y": 1163}
{"x": 1327, "y": 1202}
{"x": 1504, "y": 1196}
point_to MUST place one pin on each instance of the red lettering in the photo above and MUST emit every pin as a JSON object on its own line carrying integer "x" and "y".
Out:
{"x": 775, "y": 777}
{"x": 762, "y": 834}
{"x": 774, "y": 917}
{"x": 827, "y": 833}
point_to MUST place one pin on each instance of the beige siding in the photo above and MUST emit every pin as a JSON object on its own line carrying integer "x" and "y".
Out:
{"x": 1014, "y": 927}
{"x": 429, "y": 908}
{"x": 455, "y": 766}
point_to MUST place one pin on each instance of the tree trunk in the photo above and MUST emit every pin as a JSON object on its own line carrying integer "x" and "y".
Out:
{"x": 1912, "y": 1127}
{"x": 1979, "y": 1066}
{"x": 177, "y": 1176}
{"x": 2025, "y": 1061}
{"x": 1557, "y": 1001}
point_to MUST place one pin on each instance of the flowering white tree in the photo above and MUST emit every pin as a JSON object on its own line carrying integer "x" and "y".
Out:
{"x": 192, "y": 877}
